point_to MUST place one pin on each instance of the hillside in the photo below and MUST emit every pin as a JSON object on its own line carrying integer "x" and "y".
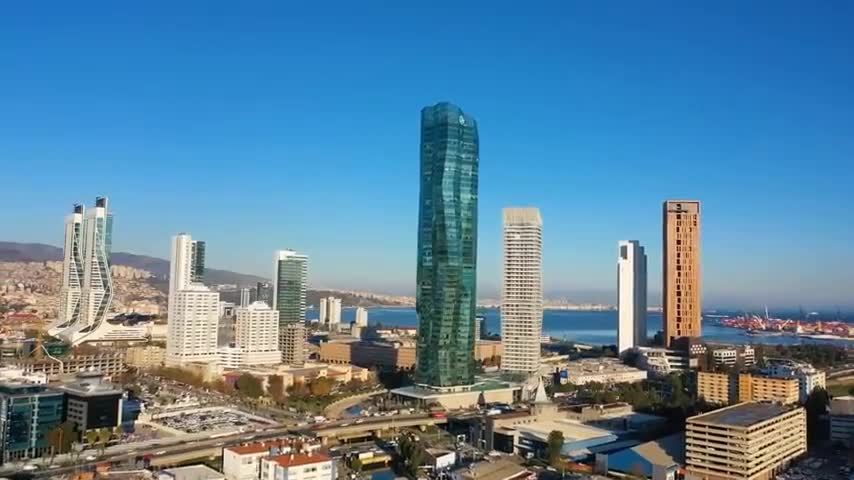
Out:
{"x": 38, "y": 252}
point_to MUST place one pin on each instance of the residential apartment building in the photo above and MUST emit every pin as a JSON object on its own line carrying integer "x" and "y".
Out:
{"x": 714, "y": 387}
{"x": 256, "y": 338}
{"x": 663, "y": 361}
{"x": 730, "y": 357}
{"x": 725, "y": 388}
{"x": 146, "y": 356}
{"x": 298, "y": 467}
{"x": 193, "y": 326}
{"x": 243, "y": 462}
{"x": 842, "y": 420}
{"x": 809, "y": 377}
{"x": 521, "y": 290}
{"x": 753, "y": 388}
{"x": 681, "y": 270}
{"x": 748, "y": 441}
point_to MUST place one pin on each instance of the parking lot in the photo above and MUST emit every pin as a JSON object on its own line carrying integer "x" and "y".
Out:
{"x": 211, "y": 420}
{"x": 831, "y": 463}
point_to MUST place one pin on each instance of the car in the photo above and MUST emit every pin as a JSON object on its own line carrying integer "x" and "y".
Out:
{"x": 90, "y": 458}
{"x": 30, "y": 467}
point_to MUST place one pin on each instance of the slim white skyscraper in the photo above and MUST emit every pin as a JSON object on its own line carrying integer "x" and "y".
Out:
{"x": 522, "y": 290}
{"x": 333, "y": 310}
{"x": 244, "y": 297}
{"x": 192, "y": 325}
{"x": 96, "y": 293}
{"x": 72, "y": 270}
{"x": 362, "y": 316}
{"x": 322, "y": 312}
{"x": 631, "y": 295}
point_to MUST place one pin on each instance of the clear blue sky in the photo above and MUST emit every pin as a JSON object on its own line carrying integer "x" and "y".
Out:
{"x": 258, "y": 126}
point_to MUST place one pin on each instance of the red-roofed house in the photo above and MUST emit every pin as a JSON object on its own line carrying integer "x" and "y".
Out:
{"x": 298, "y": 467}
{"x": 243, "y": 462}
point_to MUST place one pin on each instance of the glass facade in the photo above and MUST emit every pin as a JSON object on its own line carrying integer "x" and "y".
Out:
{"x": 290, "y": 286}
{"x": 447, "y": 247}
{"x": 27, "y": 414}
{"x": 197, "y": 262}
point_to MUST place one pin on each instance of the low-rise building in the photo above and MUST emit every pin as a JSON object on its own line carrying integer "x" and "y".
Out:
{"x": 616, "y": 417}
{"x": 503, "y": 469}
{"x": 398, "y": 355}
{"x": 809, "y": 377}
{"x": 487, "y": 349}
{"x": 754, "y": 388}
{"x": 147, "y": 356}
{"x": 599, "y": 370}
{"x": 726, "y": 388}
{"x": 91, "y": 403}
{"x": 109, "y": 363}
{"x": 27, "y": 413}
{"x": 298, "y": 467}
{"x": 658, "y": 459}
{"x": 842, "y": 420}
{"x": 190, "y": 472}
{"x": 716, "y": 387}
{"x": 749, "y": 441}
{"x": 663, "y": 361}
{"x": 243, "y": 462}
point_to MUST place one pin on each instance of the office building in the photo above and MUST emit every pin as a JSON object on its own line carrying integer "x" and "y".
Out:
{"x": 92, "y": 403}
{"x": 244, "y": 297}
{"x": 192, "y": 331}
{"x": 264, "y": 293}
{"x": 446, "y": 283}
{"x": 362, "y": 317}
{"x": 97, "y": 292}
{"x": 521, "y": 290}
{"x": 631, "y": 296}
{"x": 146, "y": 356}
{"x": 663, "y": 361}
{"x": 27, "y": 414}
{"x": 842, "y": 420}
{"x": 480, "y": 331}
{"x": 72, "y": 270}
{"x": 290, "y": 282}
{"x": 298, "y": 467}
{"x": 809, "y": 377}
{"x": 749, "y": 441}
{"x": 186, "y": 264}
{"x": 743, "y": 356}
{"x": 682, "y": 294}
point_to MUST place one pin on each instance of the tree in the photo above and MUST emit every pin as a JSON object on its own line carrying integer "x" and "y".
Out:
{"x": 92, "y": 438}
{"x": 61, "y": 439}
{"x": 554, "y": 445}
{"x": 356, "y": 465}
{"x": 320, "y": 387}
{"x": 104, "y": 436}
{"x": 276, "y": 387}
{"x": 250, "y": 386}
{"x": 816, "y": 407}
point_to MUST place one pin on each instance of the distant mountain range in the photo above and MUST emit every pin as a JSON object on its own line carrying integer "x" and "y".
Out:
{"x": 39, "y": 252}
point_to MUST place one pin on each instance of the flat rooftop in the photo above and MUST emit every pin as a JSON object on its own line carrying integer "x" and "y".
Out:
{"x": 572, "y": 431}
{"x": 743, "y": 414}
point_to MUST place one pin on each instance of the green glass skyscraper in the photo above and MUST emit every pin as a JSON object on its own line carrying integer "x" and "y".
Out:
{"x": 447, "y": 247}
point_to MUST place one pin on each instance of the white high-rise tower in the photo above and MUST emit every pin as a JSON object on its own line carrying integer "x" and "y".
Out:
{"x": 631, "y": 295}
{"x": 96, "y": 293}
{"x": 522, "y": 290}
{"x": 193, "y": 322}
{"x": 72, "y": 270}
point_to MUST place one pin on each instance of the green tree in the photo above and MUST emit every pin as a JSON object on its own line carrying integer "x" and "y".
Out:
{"x": 320, "y": 387}
{"x": 356, "y": 465}
{"x": 104, "y": 436}
{"x": 249, "y": 386}
{"x": 554, "y": 445}
{"x": 91, "y": 438}
{"x": 816, "y": 406}
{"x": 276, "y": 387}
{"x": 60, "y": 439}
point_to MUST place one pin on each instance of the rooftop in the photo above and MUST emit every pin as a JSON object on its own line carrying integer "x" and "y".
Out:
{"x": 291, "y": 460}
{"x": 500, "y": 470}
{"x": 191, "y": 472}
{"x": 664, "y": 451}
{"x": 258, "y": 447}
{"x": 572, "y": 431}
{"x": 743, "y": 414}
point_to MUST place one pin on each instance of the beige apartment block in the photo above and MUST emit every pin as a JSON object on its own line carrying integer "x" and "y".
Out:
{"x": 748, "y": 441}
{"x": 767, "y": 389}
{"x": 715, "y": 387}
{"x": 681, "y": 269}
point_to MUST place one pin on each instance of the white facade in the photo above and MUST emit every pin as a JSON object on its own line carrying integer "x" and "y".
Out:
{"x": 333, "y": 310}
{"x": 193, "y": 326}
{"x": 97, "y": 290}
{"x": 631, "y": 296}
{"x": 256, "y": 337}
{"x": 298, "y": 467}
{"x": 522, "y": 290}
{"x": 361, "y": 317}
{"x": 72, "y": 270}
{"x": 600, "y": 370}
{"x": 180, "y": 264}
{"x": 244, "y": 297}
{"x": 809, "y": 377}
{"x": 322, "y": 315}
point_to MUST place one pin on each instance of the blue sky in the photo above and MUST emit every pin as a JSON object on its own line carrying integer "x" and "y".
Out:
{"x": 263, "y": 125}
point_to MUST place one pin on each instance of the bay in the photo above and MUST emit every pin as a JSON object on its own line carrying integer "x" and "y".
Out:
{"x": 593, "y": 327}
